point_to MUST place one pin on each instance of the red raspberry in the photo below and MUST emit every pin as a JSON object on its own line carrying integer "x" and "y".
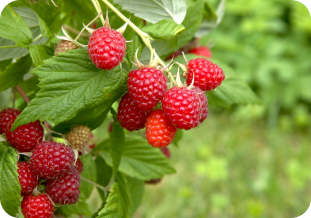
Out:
{"x": 25, "y": 137}
{"x": 64, "y": 46}
{"x": 182, "y": 107}
{"x": 65, "y": 189}
{"x": 6, "y": 116}
{"x": 28, "y": 180}
{"x": 37, "y": 206}
{"x": 130, "y": 116}
{"x": 207, "y": 76}
{"x": 79, "y": 166}
{"x": 203, "y": 103}
{"x": 146, "y": 87}
{"x": 159, "y": 131}
{"x": 51, "y": 159}
{"x": 201, "y": 51}
{"x": 106, "y": 48}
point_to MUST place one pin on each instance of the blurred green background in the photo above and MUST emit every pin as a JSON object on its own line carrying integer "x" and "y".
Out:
{"x": 252, "y": 160}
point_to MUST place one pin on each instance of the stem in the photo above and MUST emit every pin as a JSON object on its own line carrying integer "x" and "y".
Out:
{"x": 95, "y": 184}
{"x": 22, "y": 93}
{"x": 38, "y": 37}
{"x": 99, "y": 10}
{"x": 9, "y": 46}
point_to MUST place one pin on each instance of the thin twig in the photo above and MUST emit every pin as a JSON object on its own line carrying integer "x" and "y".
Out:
{"x": 22, "y": 93}
{"x": 105, "y": 189}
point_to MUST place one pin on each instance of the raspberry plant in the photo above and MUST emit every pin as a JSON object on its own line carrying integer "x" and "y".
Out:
{"x": 71, "y": 81}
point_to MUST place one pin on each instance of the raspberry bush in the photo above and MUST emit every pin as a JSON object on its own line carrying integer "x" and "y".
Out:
{"x": 60, "y": 88}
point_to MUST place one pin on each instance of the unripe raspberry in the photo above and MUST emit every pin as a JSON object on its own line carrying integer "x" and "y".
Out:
{"x": 182, "y": 107}
{"x": 27, "y": 179}
{"x": 65, "y": 189}
{"x": 37, "y": 206}
{"x": 25, "y": 137}
{"x": 130, "y": 116}
{"x": 79, "y": 136}
{"x": 106, "y": 48}
{"x": 201, "y": 51}
{"x": 50, "y": 159}
{"x": 203, "y": 103}
{"x": 146, "y": 87}
{"x": 159, "y": 131}
{"x": 207, "y": 76}
{"x": 79, "y": 166}
{"x": 6, "y": 116}
{"x": 64, "y": 46}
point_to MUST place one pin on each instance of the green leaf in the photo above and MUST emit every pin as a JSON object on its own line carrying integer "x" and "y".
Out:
{"x": 192, "y": 23}
{"x": 14, "y": 73}
{"x": 164, "y": 29}
{"x": 154, "y": 11}
{"x": 10, "y": 190}
{"x": 4, "y": 64}
{"x": 113, "y": 207}
{"x": 71, "y": 83}
{"x": 80, "y": 208}
{"x": 124, "y": 191}
{"x": 178, "y": 136}
{"x": 136, "y": 43}
{"x": 9, "y": 53}
{"x": 39, "y": 53}
{"x": 104, "y": 174}
{"x": 89, "y": 172}
{"x": 139, "y": 159}
{"x": 136, "y": 189}
{"x": 14, "y": 27}
{"x": 117, "y": 139}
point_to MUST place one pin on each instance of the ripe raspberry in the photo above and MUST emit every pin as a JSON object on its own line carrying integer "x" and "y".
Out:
{"x": 51, "y": 159}
{"x": 203, "y": 103}
{"x": 201, "y": 51}
{"x": 159, "y": 131}
{"x": 64, "y": 46}
{"x": 6, "y": 116}
{"x": 37, "y": 206}
{"x": 207, "y": 76}
{"x": 182, "y": 107}
{"x": 129, "y": 115}
{"x": 79, "y": 166}
{"x": 146, "y": 87}
{"x": 79, "y": 136}
{"x": 106, "y": 48}
{"x": 25, "y": 137}
{"x": 28, "y": 180}
{"x": 65, "y": 189}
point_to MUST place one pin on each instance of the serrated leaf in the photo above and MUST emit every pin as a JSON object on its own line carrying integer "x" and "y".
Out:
{"x": 113, "y": 207}
{"x": 10, "y": 190}
{"x": 156, "y": 10}
{"x": 124, "y": 191}
{"x": 80, "y": 208}
{"x": 164, "y": 29}
{"x": 192, "y": 23}
{"x": 89, "y": 172}
{"x": 39, "y": 53}
{"x": 139, "y": 159}
{"x": 136, "y": 189}
{"x": 4, "y": 64}
{"x": 117, "y": 140}
{"x": 71, "y": 83}
{"x": 14, "y": 73}
{"x": 104, "y": 174}
{"x": 9, "y": 53}
{"x": 14, "y": 27}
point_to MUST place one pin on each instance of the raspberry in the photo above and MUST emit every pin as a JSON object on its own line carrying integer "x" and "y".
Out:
{"x": 37, "y": 206}
{"x": 79, "y": 136}
{"x": 64, "y": 46}
{"x": 28, "y": 180}
{"x": 25, "y": 138}
{"x": 159, "y": 131}
{"x": 130, "y": 116}
{"x": 146, "y": 87}
{"x": 6, "y": 116}
{"x": 106, "y": 48}
{"x": 51, "y": 159}
{"x": 182, "y": 107}
{"x": 65, "y": 189}
{"x": 201, "y": 51}
{"x": 207, "y": 76}
{"x": 203, "y": 104}
{"x": 79, "y": 166}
